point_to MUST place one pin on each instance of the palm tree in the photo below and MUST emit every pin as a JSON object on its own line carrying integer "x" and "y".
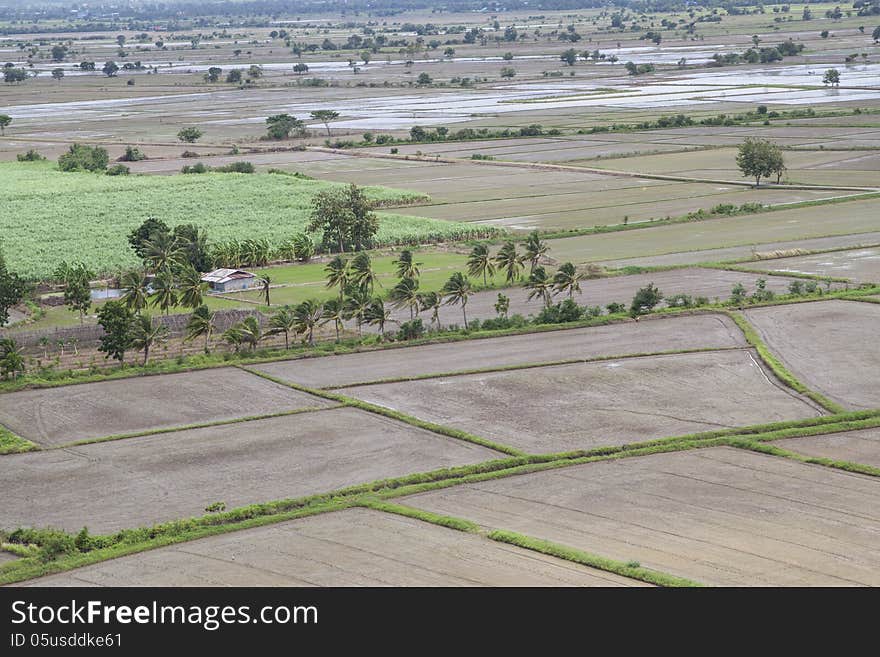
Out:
{"x": 338, "y": 274}
{"x": 509, "y": 261}
{"x": 146, "y": 334}
{"x": 334, "y": 311}
{"x": 283, "y": 321}
{"x": 540, "y": 285}
{"x": 250, "y": 331}
{"x": 266, "y": 282}
{"x": 432, "y": 301}
{"x": 535, "y": 248}
{"x": 164, "y": 251}
{"x": 232, "y": 335}
{"x": 356, "y": 305}
{"x": 377, "y": 314}
{"x": 191, "y": 287}
{"x": 135, "y": 290}
{"x": 457, "y": 290}
{"x": 308, "y": 314}
{"x": 406, "y": 268}
{"x": 567, "y": 279}
{"x": 201, "y": 323}
{"x": 363, "y": 275}
{"x": 164, "y": 291}
{"x": 480, "y": 263}
{"x": 406, "y": 294}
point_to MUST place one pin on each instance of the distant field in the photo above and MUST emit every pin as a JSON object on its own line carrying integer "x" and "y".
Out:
{"x": 49, "y": 216}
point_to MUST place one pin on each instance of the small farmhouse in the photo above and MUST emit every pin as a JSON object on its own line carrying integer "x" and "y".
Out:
{"x": 229, "y": 280}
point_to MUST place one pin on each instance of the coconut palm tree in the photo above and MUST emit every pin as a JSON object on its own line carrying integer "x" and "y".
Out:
{"x": 362, "y": 273}
{"x": 406, "y": 294}
{"x": 250, "y": 331}
{"x": 406, "y": 268}
{"x": 356, "y": 305}
{"x": 308, "y": 314}
{"x": 190, "y": 286}
{"x": 201, "y": 323}
{"x": 457, "y": 290}
{"x": 164, "y": 291}
{"x": 146, "y": 334}
{"x": 164, "y": 251}
{"x": 535, "y": 248}
{"x": 567, "y": 279}
{"x": 338, "y": 274}
{"x": 509, "y": 261}
{"x": 377, "y": 314}
{"x": 135, "y": 290}
{"x": 334, "y": 311}
{"x": 232, "y": 335}
{"x": 480, "y": 263}
{"x": 432, "y": 301}
{"x": 266, "y": 283}
{"x": 540, "y": 285}
{"x": 283, "y": 321}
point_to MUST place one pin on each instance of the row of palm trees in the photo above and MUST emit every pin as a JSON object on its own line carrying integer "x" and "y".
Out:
{"x": 481, "y": 263}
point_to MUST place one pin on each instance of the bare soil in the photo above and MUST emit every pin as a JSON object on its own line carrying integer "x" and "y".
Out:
{"x": 142, "y": 481}
{"x": 854, "y": 446}
{"x": 581, "y": 406}
{"x": 356, "y": 547}
{"x": 720, "y": 516}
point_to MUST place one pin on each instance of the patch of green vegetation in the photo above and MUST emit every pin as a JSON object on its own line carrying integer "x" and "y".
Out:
{"x": 62, "y": 210}
{"x": 629, "y": 569}
{"x": 451, "y": 522}
{"x": 772, "y": 450}
{"x": 12, "y": 444}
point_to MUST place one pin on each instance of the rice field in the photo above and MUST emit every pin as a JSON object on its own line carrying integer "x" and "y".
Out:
{"x": 49, "y": 216}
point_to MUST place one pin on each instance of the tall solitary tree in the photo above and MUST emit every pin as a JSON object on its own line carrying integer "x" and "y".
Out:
{"x": 832, "y": 77}
{"x": 325, "y": 116}
{"x": 759, "y": 158}
{"x": 5, "y": 120}
{"x": 116, "y": 320}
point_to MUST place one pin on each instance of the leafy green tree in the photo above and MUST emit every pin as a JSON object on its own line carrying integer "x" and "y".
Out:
{"x": 540, "y": 285}
{"x": 78, "y": 293}
{"x": 189, "y": 135}
{"x": 345, "y": 219}
{"x": 502, "y": 305}
{"x": 110, "y": 69}
{"x": 759, "y": 158}
{"x": 479, "y": 263}
{"x": 424, "y": 80}
{"x": 509, "y": 261}
{"x": 308, "y": 315}
{"x": 84, "y": 158}
{"x": 457, "y": 290}
{"x": 535, "y": 248}
{"x": 201, "y": 324}
{"x": 11, "y": 359}
{"x": 406, "y": 295}
{"x": 405, "y": 265}
{"x": 140, "y": 236}
{"x": 213, "y": 74}
{"x": 58, "y": 74}
{"x": 234, "y": 76}
{"x": 12, "y": 291}
{"x": 645, "y": 300}
{"x": 569, "y": 56}
{"x": 279, "y": 126}
{"x": 325, "y": 116}
{"x": 832, "y": 77}
{"x": 5, "y": 121}
{"x": 283, "y": 322}
{"x": 116, "y": 320}
{"x": 567, "y": 279}
{"x": 145, "y": 334}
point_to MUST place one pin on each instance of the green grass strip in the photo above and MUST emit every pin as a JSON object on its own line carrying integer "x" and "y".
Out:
{"x": 10, "y": 443}
{"x": 772, "y": 450}
{"x": 391, "y": 413}
{"x": 187, "y": 427}
{"x": 451, "y": 522}
{"x": 629, "y": 570}
{"x": 528, "y": 366}
{"x": 777, "y": 367}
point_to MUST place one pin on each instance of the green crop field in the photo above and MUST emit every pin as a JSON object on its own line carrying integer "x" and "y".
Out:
{"x": 49, "y": 216}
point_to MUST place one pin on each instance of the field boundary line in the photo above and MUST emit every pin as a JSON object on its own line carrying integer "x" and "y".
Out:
{"x": 772, "y": 450}
{"x": 12, "y": 443}
{"x": 530, "y": 366}
{"x": 187, "y": 427}
{"x": 376, "y": 409}
{"x": 779, "y": 370}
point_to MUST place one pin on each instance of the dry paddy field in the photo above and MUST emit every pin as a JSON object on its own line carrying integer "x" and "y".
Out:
{"x": 852, "y": 446}
{"x": 667, "y": 334}
{"x": 831, "y": 346}
{"x": 587, "y": 405}
{"x": 859, "y": 265}
{"x": 356, "y": 547}
{"x": 57, "y": 416}
{"x": 719, "y": 516}
{"x": 142, "y": 481}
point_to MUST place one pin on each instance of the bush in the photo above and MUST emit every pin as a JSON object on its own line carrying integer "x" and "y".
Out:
{"x": 189, "y": 154}
{"x": 411, "y": 330}
{"x": 195, "y": 168}
{"x": 132, "y": 154}
{"x": 118, "y": 170}
{"x": 680, "y": 301}
{"x": 567, "y": 311}
{"x": 30, "y": 156}
{"x": 236, "y": 167}
{"x": 615, "y": 308}
{"x": 645, "y": 300}
{"x": 796, "y": 288}
{"x": 498, "y": 323}
{"x": 84, "y": 158}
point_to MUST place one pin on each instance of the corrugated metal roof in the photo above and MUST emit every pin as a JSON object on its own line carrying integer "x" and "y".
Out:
{"x": 226, "y": 275}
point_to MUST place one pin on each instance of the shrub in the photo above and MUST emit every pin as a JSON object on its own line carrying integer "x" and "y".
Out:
{"x": 738, "y": 294}
{"x": 30, "y": 156}
{"x": 560, "y": 313}
{"x": 118, "y": 170}
{"x": 645, "y": 300}
{"x": 236, "y": 167}
{"x": 195, "y": 168}
{"x": 411, "y": 330}
{"x": 84, "y": 158}
{"x": 680, "y": 301}
{"x": 132, "y": 154}
{"x": 189, "y": 154}
{"x": 761, "y": 292}
{"x": 796, "y": 288}
{"x": 615, "y": 308}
